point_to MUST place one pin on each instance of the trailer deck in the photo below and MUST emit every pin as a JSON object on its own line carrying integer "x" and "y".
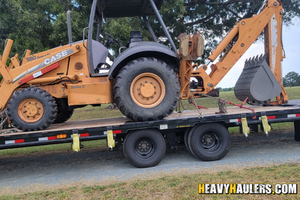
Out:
{"x": 176, "y": 128}
{"x": 186, "y": 118}
{"x": 232, "y": 111}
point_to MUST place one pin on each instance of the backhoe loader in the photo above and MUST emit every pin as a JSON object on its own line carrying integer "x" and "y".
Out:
{"x": 146, "y": 80}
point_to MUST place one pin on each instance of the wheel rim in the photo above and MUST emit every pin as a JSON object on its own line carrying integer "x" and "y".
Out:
{"x": 30, "y": 110}
{"x": 147, "y": 90}
{"x": 144, "y": 147}
{"x": 210, "y": 141}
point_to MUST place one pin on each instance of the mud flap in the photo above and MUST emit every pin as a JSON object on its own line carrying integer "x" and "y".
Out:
{"x": 257, "y": 82}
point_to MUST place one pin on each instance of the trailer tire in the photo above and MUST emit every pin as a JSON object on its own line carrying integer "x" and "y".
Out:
{"x": 209, "y": 141}
{"x": 186, "y": 140}
{"x": 144, "y": 148}
{"x": 146, "y": 89}
{"x": 32, "y": 109}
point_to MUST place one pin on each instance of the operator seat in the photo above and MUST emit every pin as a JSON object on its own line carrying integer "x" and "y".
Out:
{"x": 135, "y": 36}
{"x": 100, "y": 53}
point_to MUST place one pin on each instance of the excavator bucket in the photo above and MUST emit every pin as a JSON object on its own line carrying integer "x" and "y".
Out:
{"x": 257, "y": 82}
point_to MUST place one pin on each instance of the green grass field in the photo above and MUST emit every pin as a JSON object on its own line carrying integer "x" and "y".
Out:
{"x": 166, "y": 187}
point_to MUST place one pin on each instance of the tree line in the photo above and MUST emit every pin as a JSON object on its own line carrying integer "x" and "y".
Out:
{"x": 41, "y": 25}
{"x": 291, "y": 79}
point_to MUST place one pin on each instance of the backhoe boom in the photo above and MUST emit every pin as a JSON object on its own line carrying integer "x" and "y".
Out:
{"x": 238, "y": 40}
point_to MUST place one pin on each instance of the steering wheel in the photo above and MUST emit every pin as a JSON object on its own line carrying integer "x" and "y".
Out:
{"x": 110, "y": 39}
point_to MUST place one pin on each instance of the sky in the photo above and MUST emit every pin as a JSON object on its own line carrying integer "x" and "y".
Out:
{"x": 291, "y": 44}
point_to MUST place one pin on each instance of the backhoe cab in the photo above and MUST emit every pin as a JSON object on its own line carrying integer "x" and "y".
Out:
{"x": 46, "y": 87}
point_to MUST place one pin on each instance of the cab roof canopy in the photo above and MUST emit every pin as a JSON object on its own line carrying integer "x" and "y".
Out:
{"x": 126, "y": 8}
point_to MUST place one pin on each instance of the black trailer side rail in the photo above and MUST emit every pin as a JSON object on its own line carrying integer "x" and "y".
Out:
{"x": 171, "y": 124}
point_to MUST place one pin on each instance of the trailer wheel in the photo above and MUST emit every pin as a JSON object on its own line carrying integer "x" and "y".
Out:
{"x": 32, "y": 109}
{"x": 186, "y": 140}
{"x": 146, "y": 89}
{"x": 144, "y": 148}
{"x": 209, "y": 141}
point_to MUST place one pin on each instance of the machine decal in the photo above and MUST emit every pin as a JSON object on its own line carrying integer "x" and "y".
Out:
{"x": 46, "y": 62}
{"x": 19, "y": 77}
{"x": 39, "y": 73}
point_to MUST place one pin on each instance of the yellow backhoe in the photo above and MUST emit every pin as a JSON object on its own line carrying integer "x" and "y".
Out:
{"x": 146, "y": 80}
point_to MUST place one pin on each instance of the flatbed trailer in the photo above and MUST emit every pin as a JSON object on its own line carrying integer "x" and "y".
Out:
{"x": 206, "y": 136}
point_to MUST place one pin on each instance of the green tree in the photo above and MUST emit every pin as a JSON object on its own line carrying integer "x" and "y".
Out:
{"x": 291, "y": 79}
{"x": 40, "y": 25}
{"x": 35, "y": 25}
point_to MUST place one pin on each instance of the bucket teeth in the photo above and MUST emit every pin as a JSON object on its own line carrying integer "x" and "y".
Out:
{"x": 257, "y": 82}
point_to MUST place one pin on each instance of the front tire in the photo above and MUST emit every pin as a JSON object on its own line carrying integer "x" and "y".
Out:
{"x": 32, "y": 109}
{"x": 144, "y": 148}
{"x": 146, "y": 89}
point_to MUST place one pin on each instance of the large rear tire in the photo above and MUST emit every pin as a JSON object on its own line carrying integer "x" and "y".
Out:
{"x": 32, "y": 109}
{"x": 144, "y": 148}
{"x": 146, "y": 89}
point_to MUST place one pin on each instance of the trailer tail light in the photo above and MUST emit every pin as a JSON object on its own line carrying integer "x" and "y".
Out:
{"x": 84, "y": 135}
{"x": 61, "y": 136}
{"x": 117, "y": 131}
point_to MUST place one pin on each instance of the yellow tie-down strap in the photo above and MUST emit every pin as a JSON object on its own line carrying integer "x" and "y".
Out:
{"x": 76, "y": 143}
{"x": 245, "y": 128}
{"x": 265, "y": 124}
{"x": 110, "y": 139}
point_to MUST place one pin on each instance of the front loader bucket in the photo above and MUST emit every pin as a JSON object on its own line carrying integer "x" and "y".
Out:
{"x": 257, "y": 82}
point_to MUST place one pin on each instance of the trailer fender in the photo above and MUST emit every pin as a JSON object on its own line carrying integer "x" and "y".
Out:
{"x": 144, "y": 49}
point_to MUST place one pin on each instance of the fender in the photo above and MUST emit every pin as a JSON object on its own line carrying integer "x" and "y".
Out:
{"x": 143, "y": 49}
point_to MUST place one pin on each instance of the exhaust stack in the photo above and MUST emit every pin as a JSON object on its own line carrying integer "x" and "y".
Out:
{"x": 69, "y": 26}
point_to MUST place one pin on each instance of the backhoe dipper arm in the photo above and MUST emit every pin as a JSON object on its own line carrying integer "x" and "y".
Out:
{"x": 240, "y": 38}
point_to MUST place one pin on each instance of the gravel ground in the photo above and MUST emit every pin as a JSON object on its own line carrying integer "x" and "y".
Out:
{"x": 40, "y": 171}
